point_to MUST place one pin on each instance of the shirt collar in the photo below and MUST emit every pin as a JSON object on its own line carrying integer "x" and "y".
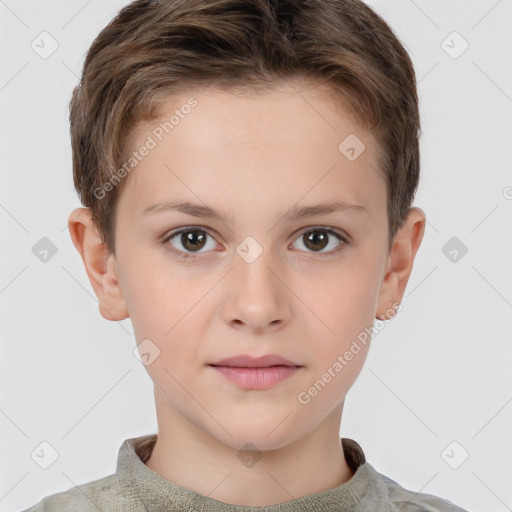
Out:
{"x": 160, "y": 495}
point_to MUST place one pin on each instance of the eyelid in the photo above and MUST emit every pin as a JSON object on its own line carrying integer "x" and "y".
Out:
{"x": 183, "y": 255}
{"x": 188, "y": 227}
{"x": 342, "y": 236}
{"x": 343, "y": 240}
{"x": 175, "y": 232}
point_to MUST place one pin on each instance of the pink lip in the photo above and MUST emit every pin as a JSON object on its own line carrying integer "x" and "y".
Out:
{"x": 246, "y": 361}
{"x": 256, "y": 373}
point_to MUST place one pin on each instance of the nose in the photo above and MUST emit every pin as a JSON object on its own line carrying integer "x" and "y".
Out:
{"x": 257, "y": 300}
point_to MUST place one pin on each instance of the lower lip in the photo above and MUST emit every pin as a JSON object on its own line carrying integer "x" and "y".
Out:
{"x": 257, "y": 378}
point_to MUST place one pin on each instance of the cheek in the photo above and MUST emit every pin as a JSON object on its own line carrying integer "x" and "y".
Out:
{"x": 339, "y": 353}
{"x": 155, "y": 296}
{"x": 164, "y": 312}
{"x": 343, "y": 296}
{"x": 169, "y": 309}
{"x": 345, "y": 307}
{"x": 331, "y": 378}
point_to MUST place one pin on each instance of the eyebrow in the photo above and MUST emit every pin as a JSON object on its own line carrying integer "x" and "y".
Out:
{"x": 295, "y": 213}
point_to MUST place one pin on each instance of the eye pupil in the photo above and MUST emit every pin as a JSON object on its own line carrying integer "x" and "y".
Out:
{"x": 314, "y": 237}
{"x": 193, "y": 240}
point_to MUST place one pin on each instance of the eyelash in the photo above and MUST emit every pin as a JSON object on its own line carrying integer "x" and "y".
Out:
{"x": 165, "y": 241}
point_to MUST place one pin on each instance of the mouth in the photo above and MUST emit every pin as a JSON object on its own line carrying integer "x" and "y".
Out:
{"x": 256, "y": 373}
{"x": 247, "y": 361}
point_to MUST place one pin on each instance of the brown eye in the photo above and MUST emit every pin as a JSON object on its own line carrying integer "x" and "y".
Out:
{"x": 193, "y": 240}
{"x": 190, "y": 240}
{"x": 318, "y": 239}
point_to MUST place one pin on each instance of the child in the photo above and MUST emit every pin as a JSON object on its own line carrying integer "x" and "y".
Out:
{"x": 214, "y": 145}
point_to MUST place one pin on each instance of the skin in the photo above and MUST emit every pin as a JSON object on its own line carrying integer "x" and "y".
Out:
{"x": 252, "y": 157}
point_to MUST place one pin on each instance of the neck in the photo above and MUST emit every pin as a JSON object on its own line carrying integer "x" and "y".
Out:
{"x": 195, "y": 459}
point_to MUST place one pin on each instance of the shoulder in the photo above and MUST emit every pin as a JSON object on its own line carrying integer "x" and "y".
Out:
{"x": 105, "y": 494}
{"x": 410, "y": 501}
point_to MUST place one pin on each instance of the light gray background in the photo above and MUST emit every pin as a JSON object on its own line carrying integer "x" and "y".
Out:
{"x": 439, "y": 372}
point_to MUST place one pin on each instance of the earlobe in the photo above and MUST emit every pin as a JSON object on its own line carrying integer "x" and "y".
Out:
{"x": 100, "y": 265}
{"x": 401, "y": 259}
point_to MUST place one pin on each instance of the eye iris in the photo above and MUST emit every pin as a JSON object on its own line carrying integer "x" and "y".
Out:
{"x": 314, "y": 237}
{"x": 193, "y": 240}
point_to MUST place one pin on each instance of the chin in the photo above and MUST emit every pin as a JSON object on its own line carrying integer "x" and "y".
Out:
{"x": 264, "y": 437}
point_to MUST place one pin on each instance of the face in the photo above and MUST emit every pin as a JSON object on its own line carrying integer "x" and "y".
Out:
{"x": 266, "y": 272}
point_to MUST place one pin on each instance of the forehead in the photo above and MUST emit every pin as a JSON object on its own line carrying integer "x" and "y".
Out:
{"x": 289, "y": 141}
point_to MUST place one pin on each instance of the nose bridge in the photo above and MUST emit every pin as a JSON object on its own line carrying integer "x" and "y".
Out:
{"x": 252, "y": 267}
{"x": 256, "y": 297}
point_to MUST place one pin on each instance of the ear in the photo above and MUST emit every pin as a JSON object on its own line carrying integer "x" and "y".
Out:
{"x": 401, "y": 258}
{"x": 100, "y": 264}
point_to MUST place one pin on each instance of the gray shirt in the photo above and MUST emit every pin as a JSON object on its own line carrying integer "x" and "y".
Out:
{"x": 136, "y": 488}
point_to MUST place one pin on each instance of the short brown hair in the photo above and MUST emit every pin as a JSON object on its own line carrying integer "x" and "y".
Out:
{"x": 153, "y": 48}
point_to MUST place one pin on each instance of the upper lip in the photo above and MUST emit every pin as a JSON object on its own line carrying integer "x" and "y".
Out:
{"x": 246, "y": 361}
